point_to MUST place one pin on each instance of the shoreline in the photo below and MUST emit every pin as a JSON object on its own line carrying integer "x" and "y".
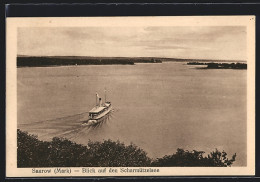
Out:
{"x": 213, "y": 65}
{"x": 55, "y": 61}
{"x": 70, "y": 61}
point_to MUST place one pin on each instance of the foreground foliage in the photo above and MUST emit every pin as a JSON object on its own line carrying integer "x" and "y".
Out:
{"x": 195, "y": 158}
{"x": 60, "y": 152}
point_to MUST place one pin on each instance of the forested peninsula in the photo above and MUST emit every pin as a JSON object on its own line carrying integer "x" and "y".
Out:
{"x": 32, "y": 61}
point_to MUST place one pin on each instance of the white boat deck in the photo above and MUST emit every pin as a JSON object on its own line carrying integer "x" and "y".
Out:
{"x": 102, "y": 114}
{"x": 96, "y": 109}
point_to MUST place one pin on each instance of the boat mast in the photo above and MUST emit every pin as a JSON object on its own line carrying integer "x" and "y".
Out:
{"x": 105, "y": 96}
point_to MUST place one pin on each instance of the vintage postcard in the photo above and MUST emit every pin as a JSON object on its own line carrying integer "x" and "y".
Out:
{"x": 130, "y": 96}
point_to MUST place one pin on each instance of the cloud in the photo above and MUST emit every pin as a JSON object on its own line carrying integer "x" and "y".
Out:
{"x": 219, "y": 42}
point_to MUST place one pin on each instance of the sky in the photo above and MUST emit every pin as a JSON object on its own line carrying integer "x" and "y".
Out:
{"x": 190, "y": 42}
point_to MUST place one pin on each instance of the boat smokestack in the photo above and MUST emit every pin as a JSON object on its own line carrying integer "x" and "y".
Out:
{"x": 100, "y": 102}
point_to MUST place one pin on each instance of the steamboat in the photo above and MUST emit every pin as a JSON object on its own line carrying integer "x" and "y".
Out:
{"x": 99, "y": 112}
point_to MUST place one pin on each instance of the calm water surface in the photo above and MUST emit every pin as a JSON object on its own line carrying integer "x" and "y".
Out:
{"x": 158, "y": 107}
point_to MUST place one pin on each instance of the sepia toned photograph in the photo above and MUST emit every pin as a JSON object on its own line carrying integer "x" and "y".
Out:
{"x": 130, "y": 96}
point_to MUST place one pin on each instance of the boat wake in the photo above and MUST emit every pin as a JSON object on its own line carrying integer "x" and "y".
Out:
{"x": 71, "y": 127}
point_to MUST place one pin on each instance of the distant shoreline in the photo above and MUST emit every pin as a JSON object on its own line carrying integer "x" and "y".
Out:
{"x": 54, "y": 61}
{"x": 213, "y": 65}
{"x": 69, "y": 61}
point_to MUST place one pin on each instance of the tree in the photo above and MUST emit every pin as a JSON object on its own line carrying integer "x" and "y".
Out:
{"x": 31, "y": 152}
{"x": 116, "y": 154}
{"x": 64, "y": 153}
{"x": 195, "y": 158}
{"x": 61, "y": 152}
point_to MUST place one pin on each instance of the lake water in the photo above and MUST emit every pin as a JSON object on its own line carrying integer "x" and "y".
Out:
{"x": 158, "y": 107}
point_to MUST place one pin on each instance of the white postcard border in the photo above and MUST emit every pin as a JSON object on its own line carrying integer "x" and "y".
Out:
{"x": 11, "y": 90}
